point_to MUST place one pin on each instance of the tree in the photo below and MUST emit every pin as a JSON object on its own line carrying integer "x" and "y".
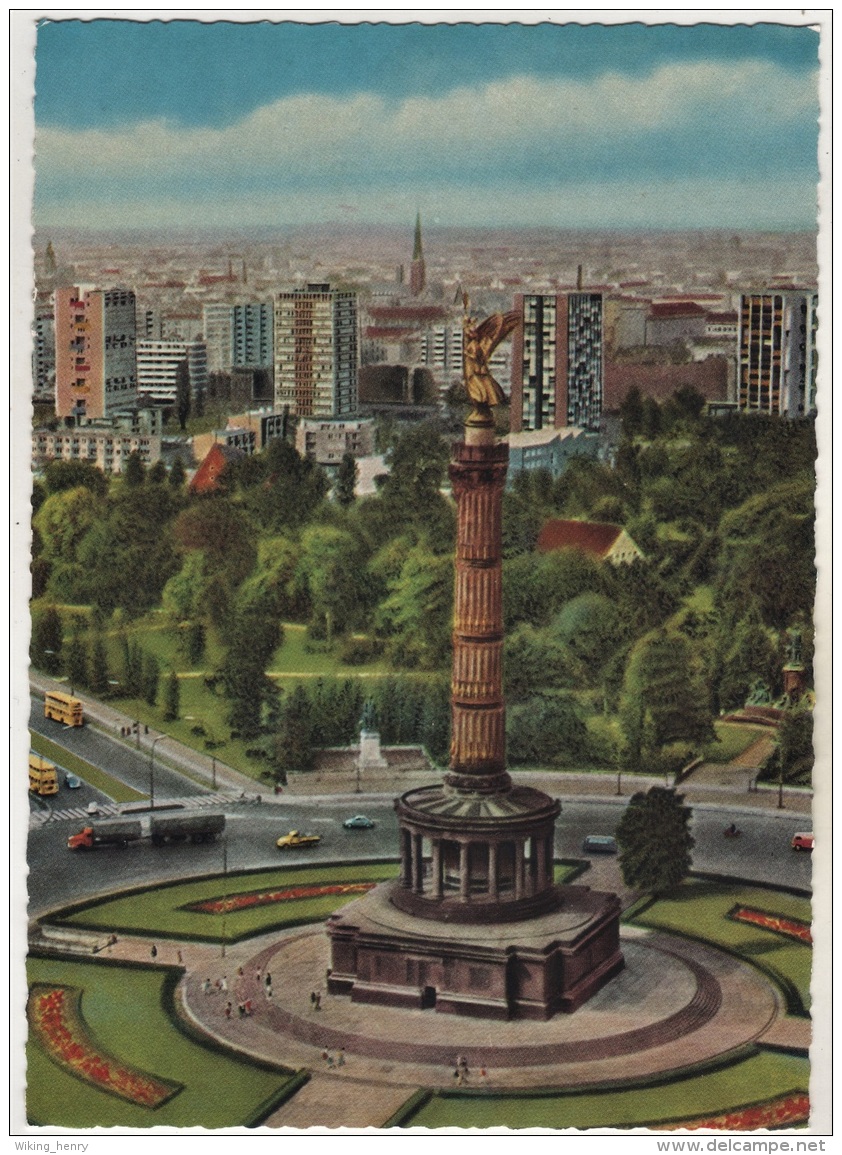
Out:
{"x": 546, "y": 729}
{"x": 631, "y": 413}
{"x": 252, "y": 638}
{"x": 416, "y": 616}
{"x": 178, "y": 474}
{"x": 98, "y": 673}
{"x": 134, "y": 472}
{"x": 663, "y": 700}
{"x": 172, "y": 697}
{"x": 46, "y": 641}
{"x": 330, "y": 566}
{"x": 151, "y": 677}
{"x": 76, "y": 662}
{"x": 182, "y": 393}
{"x": 654, "y": 840}
{"x": 157, "y": 473}
{"x": 132, "y": 669}
{"x": 293, "y": 748}
{"x": 346, "y": 479}
{"x": 795, "y": 745}
{"x": 61, "y": 475}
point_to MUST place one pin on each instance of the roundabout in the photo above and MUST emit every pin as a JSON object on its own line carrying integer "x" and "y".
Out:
{"x": 676, "y": 1004}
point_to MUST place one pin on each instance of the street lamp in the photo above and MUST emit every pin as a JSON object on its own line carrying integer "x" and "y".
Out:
{"x": 152, "y": 767}
{"x": 224, "y": 887}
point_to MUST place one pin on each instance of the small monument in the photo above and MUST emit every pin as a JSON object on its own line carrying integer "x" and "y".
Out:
{"x": 370, "y": 757}
{"x": 476, "y": 924}
{"x": 794, "y": 672}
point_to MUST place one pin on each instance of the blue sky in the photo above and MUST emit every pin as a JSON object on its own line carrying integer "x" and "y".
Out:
{"x": 578, "y": 126}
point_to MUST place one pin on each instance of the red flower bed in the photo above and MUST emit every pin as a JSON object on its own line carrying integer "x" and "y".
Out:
{"x": 267, "y": 897}
{"x": 56, "y": 1022}
{"x": 787, "y": 1111}
{"x": 789, "y": 927}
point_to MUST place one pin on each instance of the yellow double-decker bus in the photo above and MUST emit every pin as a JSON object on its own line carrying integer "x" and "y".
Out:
{"x": 63, "y": 708}
{"x": 43, "y": 777}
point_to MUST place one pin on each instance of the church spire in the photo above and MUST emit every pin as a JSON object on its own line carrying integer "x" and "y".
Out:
{"x": 417, "y": 274}
{"x": 417, "y": 252}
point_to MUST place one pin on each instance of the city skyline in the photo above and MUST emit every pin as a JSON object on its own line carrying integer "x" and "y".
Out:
{"x": 510, "y": 125}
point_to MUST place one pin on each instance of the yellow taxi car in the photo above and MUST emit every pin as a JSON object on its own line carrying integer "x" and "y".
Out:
{"x": 295, "y": 838}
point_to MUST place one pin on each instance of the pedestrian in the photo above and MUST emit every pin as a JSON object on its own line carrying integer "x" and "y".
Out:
{"x": 239, "y": 972}
{"x": 330, "y": 1060}
{"x": 249, "y": 1007}
{"x": 460, "y": 1077}
{"x": 241, "y": 1010}
{"x": 312, "y": 1000}
{"x": 223, "y": 984}
{"x": 180, "y": 958}
{"x": 318, "y": 1001}
{"x": 324, "y": 1056}
{"x": 268, "y": 990}
{"x": 206, "y": 986}
{"x": 340, "y": 1058}
{"x": 228, "y": 1010}
{"x": 154, "y": 952}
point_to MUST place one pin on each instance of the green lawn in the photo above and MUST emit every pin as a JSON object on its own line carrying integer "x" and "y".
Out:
{"x": 159, "y": 911}
{"x": 126, "y": 1011}
{"x": 733, "y": 739}
{"x": 764, "y": 1075}
{"x": 99, "y": 779}
{"x": 700, "y": 909}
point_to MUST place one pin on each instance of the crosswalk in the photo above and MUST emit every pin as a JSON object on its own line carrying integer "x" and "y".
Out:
{"x": 38, "y": 818}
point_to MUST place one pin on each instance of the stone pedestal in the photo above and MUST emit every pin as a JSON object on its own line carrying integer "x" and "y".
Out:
{"x": 370, "y": 757}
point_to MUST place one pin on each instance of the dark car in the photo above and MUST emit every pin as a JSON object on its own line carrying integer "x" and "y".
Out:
{"x": 599, "y": 844}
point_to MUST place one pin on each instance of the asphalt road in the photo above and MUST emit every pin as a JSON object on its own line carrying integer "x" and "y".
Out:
{"x": 58, "y": 875}
{"x": 121, "y": 761}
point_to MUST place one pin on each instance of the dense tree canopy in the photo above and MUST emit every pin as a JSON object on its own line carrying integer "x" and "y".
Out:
{"x": 654, "y": 840}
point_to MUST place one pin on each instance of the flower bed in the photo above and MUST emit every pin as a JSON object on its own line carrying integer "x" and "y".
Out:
{"x": 789, "y": 927}
{"x": 787, "y": 1111}
{"x": 246, "y": 901}
{"x": 56, "y": 1022}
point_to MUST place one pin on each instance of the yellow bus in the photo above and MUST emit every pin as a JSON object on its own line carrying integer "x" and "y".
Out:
{"x": 43, "y": 778}
{"x": 63, "y": 708}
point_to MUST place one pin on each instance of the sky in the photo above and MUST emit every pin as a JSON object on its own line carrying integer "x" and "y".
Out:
{"x": 174, "y": 124}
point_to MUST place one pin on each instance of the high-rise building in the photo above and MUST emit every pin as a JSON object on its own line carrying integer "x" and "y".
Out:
{"x": 158, "y": 366}
{"x": 253, "y": 335}
{"x": 557, "y": 361}
{"x": 316, "y": 351}
{"x": 777, "y": 352}
{"x": 96, "y": 369}
{"x": 417, "y": 272}
{"x": 218, "y": 332}
{"x": 44, "y": 356}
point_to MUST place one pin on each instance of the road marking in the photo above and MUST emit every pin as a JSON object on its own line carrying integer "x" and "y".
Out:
{"x": 111, "y": 809}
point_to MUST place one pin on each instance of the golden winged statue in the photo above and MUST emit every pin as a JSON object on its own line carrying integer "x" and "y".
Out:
{"x": 479, "y": 342}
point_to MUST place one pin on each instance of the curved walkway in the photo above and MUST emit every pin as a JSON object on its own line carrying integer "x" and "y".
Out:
{"x": 675, "y": 1004}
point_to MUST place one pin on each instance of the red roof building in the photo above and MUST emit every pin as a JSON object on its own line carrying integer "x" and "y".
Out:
{"x": 597, "y": 539}
{"x": 206, "y": 477}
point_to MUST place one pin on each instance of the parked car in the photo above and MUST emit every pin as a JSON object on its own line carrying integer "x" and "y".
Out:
{"x": 802, "y": 841}
{"x": 295, "y": 838}
{"x": 599, "y": 844}
{"x": 358, "y": 822}
{"x": 72, "y": 782}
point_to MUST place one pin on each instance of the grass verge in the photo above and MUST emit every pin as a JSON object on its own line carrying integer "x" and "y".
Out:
{"x": 730, "y": 1087}
{"x": 700, "y": 910}
{"x": 160, "y": 911}
{"x": 93, "y": 775}
{"x": 128, "y": 1011}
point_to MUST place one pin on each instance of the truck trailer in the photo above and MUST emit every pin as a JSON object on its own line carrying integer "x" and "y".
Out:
{"x": 199, "y": 827}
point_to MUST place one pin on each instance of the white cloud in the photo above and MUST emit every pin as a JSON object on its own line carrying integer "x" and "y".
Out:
{"x": 307, "y": 138}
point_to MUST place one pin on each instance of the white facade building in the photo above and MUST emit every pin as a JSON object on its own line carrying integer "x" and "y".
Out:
{"x": 157, "y": 368}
